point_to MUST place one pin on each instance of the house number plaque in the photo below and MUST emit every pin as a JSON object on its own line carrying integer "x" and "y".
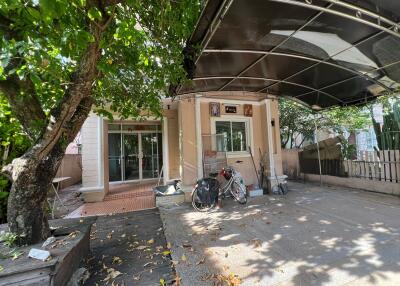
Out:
{"x": 230, "y": 109}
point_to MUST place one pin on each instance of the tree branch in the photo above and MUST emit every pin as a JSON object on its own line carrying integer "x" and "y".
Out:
{"x": 24, "y": 104}
{"x": 7, "y": 171}
{"x": 80, "y": 89}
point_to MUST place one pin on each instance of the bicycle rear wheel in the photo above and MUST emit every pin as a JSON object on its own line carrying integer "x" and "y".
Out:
{"x": 200, "y": 206}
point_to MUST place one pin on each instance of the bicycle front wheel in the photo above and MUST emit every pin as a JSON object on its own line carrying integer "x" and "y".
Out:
{"x": 239, "y": 193}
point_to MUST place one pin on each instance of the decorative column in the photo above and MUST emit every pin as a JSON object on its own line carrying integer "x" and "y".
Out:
{"x": 165, "y": 150}
{"x": 199, "y": 144}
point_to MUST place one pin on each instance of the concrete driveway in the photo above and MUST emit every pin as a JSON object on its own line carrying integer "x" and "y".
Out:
{"x": 312, "y": 236}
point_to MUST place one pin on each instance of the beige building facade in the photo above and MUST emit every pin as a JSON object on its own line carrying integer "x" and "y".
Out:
{"x": 196, "y": 131}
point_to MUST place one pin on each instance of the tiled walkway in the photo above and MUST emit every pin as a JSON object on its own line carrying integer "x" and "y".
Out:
{"x": 121, "y": 198}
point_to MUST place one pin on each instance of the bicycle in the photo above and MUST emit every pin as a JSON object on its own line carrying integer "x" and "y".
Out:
{"x": 208, "y": 191}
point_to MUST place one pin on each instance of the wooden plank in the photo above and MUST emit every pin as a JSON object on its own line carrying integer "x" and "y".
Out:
{"x": 397, "y": 164}
{"x": 392, "y": 166}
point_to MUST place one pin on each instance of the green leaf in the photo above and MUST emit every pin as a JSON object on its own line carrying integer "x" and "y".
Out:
{"x": 34, "y": 13}
{"x": 94, "y": 14}
{"x": 3, "y": 195}
{"x": 52, "y": 9}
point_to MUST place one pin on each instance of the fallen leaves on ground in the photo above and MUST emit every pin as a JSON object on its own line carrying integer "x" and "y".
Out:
{"x": 201, "y": 261}
{"x": 183, "y": 258}
{"x": 256, "y": 242}
{"x": 226, "y": 280}
{"x": 186, "y": 244}
{"x": 109, "y": 236}
{"x": 178, "y": 280}
{"x": 149, "y": 264}
{"x": 73, "y": 234}
{"x": 151, "y": 241}
{"x": 166, "y": 252}
{"x": 222, "y": 280}
{"x": 116, "y": 260}
{"x": 111, "y": 273}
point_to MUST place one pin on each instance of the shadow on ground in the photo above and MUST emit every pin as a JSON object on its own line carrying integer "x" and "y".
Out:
{"x": 129, "y": 249}
{"x": 312, "y": 236}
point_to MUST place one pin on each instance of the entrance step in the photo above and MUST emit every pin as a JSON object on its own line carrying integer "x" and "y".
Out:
{"x": 127, "y": 195}
{"x": 120, "y": 199}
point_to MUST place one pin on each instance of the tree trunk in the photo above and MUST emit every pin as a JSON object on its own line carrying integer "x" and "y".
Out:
{"x": 27, "y": 206}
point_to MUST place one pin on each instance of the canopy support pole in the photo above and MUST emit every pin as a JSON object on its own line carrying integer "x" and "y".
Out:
{"x": 319, "y": 155}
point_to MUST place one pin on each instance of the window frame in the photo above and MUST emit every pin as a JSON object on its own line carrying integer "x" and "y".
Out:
{"x": 249, "y": 132}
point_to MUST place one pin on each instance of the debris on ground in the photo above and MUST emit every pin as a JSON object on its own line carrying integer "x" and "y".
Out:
{"x": 39, "y": 254}
{"x": 48, "y": 241}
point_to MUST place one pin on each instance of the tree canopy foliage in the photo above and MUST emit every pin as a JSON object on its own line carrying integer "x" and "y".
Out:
{"x": 42, "y": 43}
{"x": 298, "y": 120}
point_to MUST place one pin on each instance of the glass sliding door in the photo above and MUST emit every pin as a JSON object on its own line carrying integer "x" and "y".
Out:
{"x": 134, "y": 152}
{"x": 131, "y": 157}
{"x": 114, "y": 157}
{"x": 151, "y": 154}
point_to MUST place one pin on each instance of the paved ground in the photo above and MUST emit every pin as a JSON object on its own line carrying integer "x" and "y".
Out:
{"x": 312, "y": 236}
{"x": 129, "y": 249}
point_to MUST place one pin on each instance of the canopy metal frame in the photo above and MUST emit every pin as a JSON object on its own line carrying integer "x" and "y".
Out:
{"x": 269, "y": 79}
{"x": 354, "y": 13}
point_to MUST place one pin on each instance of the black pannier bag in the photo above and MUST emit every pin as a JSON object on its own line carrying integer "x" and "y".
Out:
{"x": 207, "y": 190}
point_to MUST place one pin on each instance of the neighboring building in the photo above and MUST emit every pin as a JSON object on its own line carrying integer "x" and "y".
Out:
{"x": 128, "y": 151}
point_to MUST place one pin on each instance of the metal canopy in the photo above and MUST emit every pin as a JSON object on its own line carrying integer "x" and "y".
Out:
{"x": 321, "y": 52}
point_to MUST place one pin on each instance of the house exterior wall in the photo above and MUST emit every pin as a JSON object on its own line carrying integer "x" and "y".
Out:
{"x": 261, "y": 130}
{"x": 183, "y": 126}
